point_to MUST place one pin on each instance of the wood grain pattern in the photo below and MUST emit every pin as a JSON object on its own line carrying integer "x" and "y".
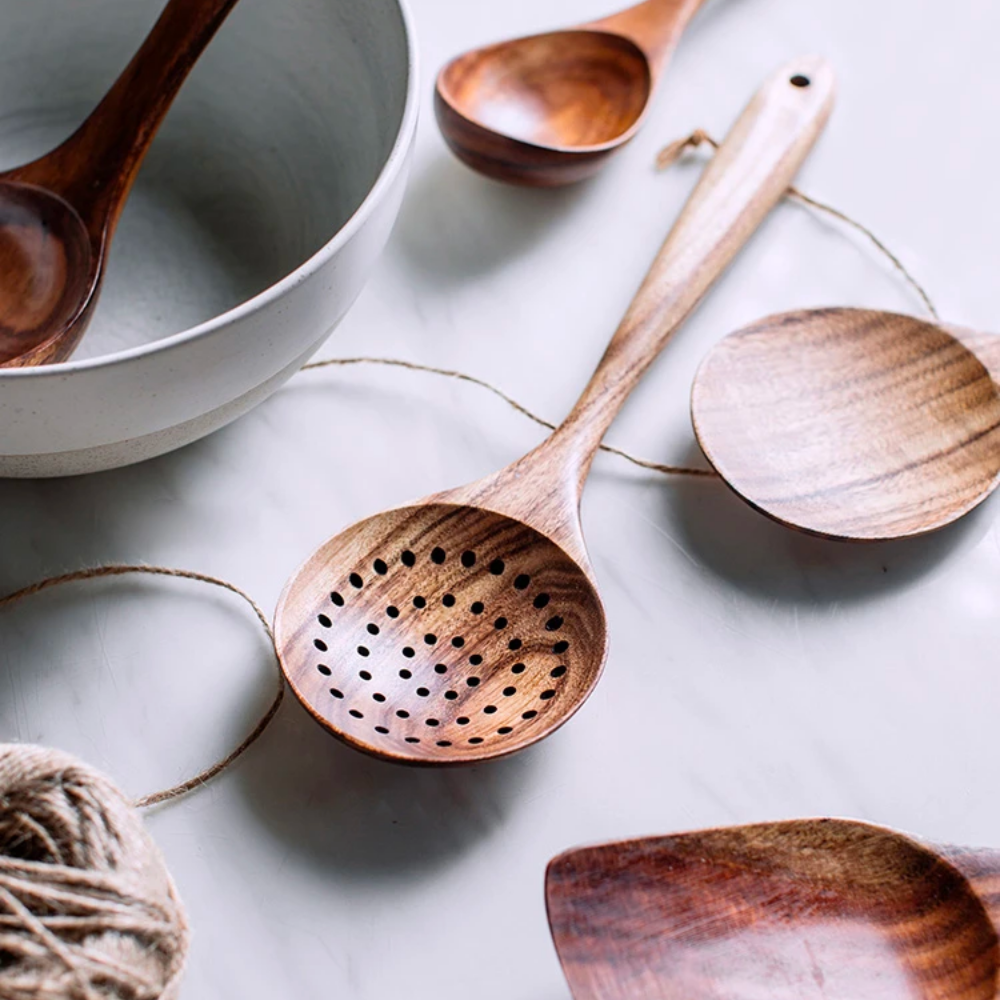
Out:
{"x": 548, "y": 109}
{"x": 451, "y": 633}
{"x": 469, "y": 626}
{"x": 985, "y": 346}
{"x": 849, "y": 423}
{"x": 58, "y": 214}
{"x": 824, "y": 909}
{"x": 48, "y": 270}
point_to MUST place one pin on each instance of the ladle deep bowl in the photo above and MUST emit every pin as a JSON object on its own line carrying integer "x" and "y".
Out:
{"x": 49, "y": 270}
{"x": 58, "y": 213}
{"x": 469, "y": 626}
{"x": 548, "y": 109}
{"x": 850, "y": 423}
{"x": 800, "y": 910}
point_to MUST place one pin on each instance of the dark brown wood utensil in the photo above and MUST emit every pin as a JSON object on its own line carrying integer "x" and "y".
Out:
{"x": 850, "y": 423}
{"x": 468, "y": 626}
{"x": 549, "y": 109}
{"x": 58, "y": 214}
{"x": 801, "y": 910}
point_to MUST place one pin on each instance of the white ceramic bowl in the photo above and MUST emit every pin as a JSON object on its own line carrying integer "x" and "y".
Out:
{"x": 260, "y": 212}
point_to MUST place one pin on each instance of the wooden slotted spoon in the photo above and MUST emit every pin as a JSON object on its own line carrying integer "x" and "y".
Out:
{"x": 468, "y": 626}
{"x": 799, "y": 910}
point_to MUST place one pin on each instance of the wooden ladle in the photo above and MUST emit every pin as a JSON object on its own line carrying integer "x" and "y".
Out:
{"x": 850, "y": 423}
{"x": 58, "y": 213}
{"x": 468, "y": 626}
{"x": 800, "y": 910}
{"x": 548, "y": 109}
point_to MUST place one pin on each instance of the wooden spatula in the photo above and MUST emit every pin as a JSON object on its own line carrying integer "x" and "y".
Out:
{"x": 801, "y": 910}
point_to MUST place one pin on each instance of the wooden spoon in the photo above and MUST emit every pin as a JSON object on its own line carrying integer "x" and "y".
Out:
{"x": 824, "y": 909}
{"x": 548, "y": 109}
{"x": 469, "y": 626}
{"x": 849, "y": 423}
{"x": 985, "y": 346}
{"x": 58, "y": 214}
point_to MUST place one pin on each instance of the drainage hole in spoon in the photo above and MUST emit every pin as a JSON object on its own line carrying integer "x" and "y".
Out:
{"x": 446, "y": 695}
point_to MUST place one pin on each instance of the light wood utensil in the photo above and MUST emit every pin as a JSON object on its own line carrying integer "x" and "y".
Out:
{"x": 801, "y": 910}
{"x": 468, "y": 626}
{"x": 548, "y": 109}
{"x": 58, "y": 214}
{"x": 849, "y": 423}
{"x": 985, "y": 346}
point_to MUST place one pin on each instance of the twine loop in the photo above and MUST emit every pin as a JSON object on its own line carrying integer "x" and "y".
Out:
{"x": 119, "y": 569}
{"x": 88, "y": 910}
{"x": 672, "y": 152}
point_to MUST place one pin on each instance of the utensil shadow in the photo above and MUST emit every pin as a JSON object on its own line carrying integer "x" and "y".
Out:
{"x": 772, "y": 561}
{"x": 456, "y": 226}
{"x": 120, "y": 515}
{"x": 364, "y": 818}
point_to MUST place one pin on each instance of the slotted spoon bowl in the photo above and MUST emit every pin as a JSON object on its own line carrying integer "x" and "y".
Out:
{"x": 469, "y": 626}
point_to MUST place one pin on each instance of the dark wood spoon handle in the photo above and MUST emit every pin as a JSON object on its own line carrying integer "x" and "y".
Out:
{"x": 95, "y": 168}
{"x": 747, "y": 177}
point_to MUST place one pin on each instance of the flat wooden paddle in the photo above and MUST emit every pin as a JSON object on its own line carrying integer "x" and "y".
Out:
{"x": 801, "y": 910}
{"x": 850, "y": 423}
{"x": 58, "y": 213}
{"x": 469, "y": 626}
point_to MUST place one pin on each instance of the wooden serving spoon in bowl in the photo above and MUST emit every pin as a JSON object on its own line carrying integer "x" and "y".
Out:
{"x": 469, "y": 626}
{"x": 850, "y": 423}
{"x": 58, "y": 213}
{"x": 548, "y": 109}
{"x": 800, "y": 910}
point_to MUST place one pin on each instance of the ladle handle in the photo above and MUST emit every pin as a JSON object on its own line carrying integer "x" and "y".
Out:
{"x": 747, "y": 176}
{"x": 96, "y": 167}
{"x": 655, "y": 26}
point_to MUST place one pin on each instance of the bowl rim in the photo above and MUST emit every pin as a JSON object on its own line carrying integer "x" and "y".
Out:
{"x": 395, "y": 162}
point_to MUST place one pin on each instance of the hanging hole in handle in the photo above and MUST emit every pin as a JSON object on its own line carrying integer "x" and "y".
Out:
{"x": 800, "y": 81}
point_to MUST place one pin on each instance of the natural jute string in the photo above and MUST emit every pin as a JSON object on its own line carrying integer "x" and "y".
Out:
{"x": 88, "y": 910}
{"x": 670, "y": 470}
{"x": 667, "y": 157}
{"x": 102, "y": 572}
{"x": 672, "y": 153}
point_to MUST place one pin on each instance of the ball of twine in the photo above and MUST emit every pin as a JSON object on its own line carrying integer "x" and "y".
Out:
{"x": 88, "y": 910}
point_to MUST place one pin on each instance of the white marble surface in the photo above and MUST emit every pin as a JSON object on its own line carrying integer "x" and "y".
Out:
{"x": 755, "y": 674}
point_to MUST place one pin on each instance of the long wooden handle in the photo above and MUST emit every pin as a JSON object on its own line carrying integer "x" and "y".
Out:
{"x": 655, "y": 26}
{"x": 96, "y": 167}
{"x": 748, "y": 175}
